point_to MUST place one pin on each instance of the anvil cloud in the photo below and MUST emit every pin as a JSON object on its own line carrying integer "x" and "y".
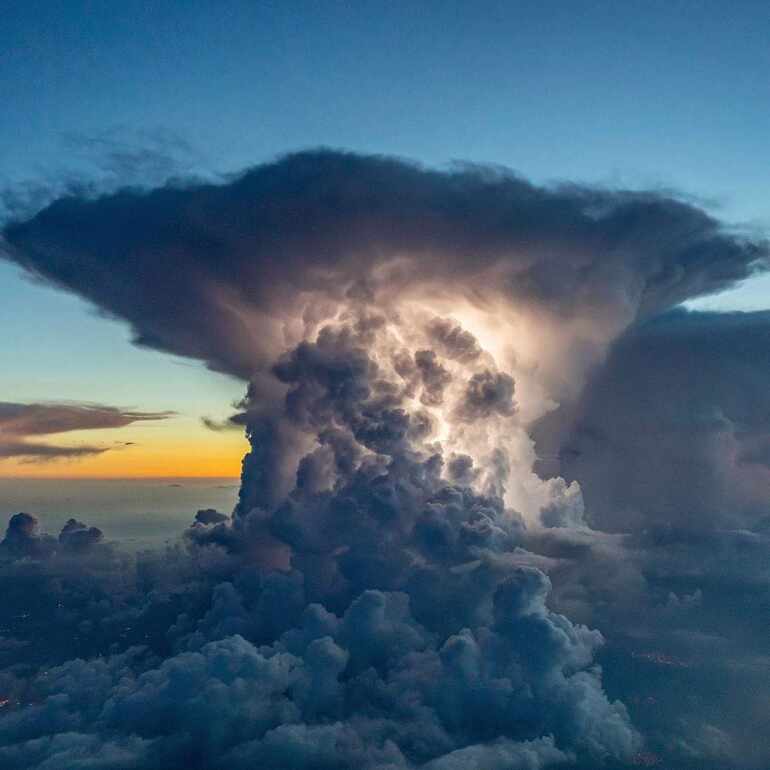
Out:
{"x": 402, "y": 584}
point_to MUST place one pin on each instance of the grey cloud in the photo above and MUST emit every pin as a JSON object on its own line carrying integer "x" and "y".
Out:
{"x": 50, "y": 418}
{"x": 368, "y": 616}
{"x": 33, "y": 451}
{"x": 20, "y": 421}
{"x": 94, "y": 164}
{"x": 210, "y": 516}
{"x": 24, "y": 539}
{"x": 453, "y": 341}
{"x": 434, "y": 377}
{"x": 234, "y": 422}
{"x": 77, "y": 536}
{"x": 487, "y": 393}
{"x": 366, "y": 605}
{"x": 502, "y": 755}
{"x": 672, "y": 429}
{"x": 682, "y": 612}
{"x": 192, "y": 268}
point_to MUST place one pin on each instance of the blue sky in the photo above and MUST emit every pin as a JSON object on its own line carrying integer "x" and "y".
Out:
{"x": 662, "y": 94}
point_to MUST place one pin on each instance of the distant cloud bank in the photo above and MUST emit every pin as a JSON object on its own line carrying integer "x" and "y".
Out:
{"x": 19, "y": 422}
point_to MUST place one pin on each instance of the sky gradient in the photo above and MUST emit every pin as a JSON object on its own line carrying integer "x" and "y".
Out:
{"x": 675, "y": 99}
{"x": 470, "y": 298}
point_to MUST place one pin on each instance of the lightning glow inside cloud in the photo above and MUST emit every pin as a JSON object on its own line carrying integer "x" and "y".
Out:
{"x": 380, "y": 596}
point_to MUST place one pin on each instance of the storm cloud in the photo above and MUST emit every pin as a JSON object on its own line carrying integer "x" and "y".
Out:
{"x": 486, "y": 512}
{"x": 223, "y": 272}
{"x": 674, "y": 428}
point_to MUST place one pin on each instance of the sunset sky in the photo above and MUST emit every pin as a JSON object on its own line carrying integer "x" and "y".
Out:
{"x": 384, "y": 384}
{"x": 138, "y": 91}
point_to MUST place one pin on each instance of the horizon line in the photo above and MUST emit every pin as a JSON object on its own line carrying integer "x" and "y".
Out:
{"x": 116, "y": 478}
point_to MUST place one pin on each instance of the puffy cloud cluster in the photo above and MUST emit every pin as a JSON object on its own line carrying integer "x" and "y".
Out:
{"x": 409, "y": 579}
{"x": 23, "y": 538}
{"x": 371, "y": 688}
{"x": 376, "y": 614}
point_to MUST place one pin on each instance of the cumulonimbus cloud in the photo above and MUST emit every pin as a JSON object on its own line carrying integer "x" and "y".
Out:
{"x": 382, "y": 595}
{"x": 674, "y": 427}
{"x": 223, "y": 272}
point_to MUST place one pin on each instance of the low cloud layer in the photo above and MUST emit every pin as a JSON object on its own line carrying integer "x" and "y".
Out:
{"x": 438, "y": 366}
{"x": 20, "y": 422}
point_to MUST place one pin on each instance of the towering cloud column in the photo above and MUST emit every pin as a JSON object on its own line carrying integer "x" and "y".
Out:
{"x": 371, "y": 602}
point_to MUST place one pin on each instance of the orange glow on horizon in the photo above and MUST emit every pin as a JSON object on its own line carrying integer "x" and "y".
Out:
{"x": 192, "y": 452}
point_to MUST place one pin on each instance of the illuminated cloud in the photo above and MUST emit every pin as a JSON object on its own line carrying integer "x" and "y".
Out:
{"x": 401, "y": 584}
